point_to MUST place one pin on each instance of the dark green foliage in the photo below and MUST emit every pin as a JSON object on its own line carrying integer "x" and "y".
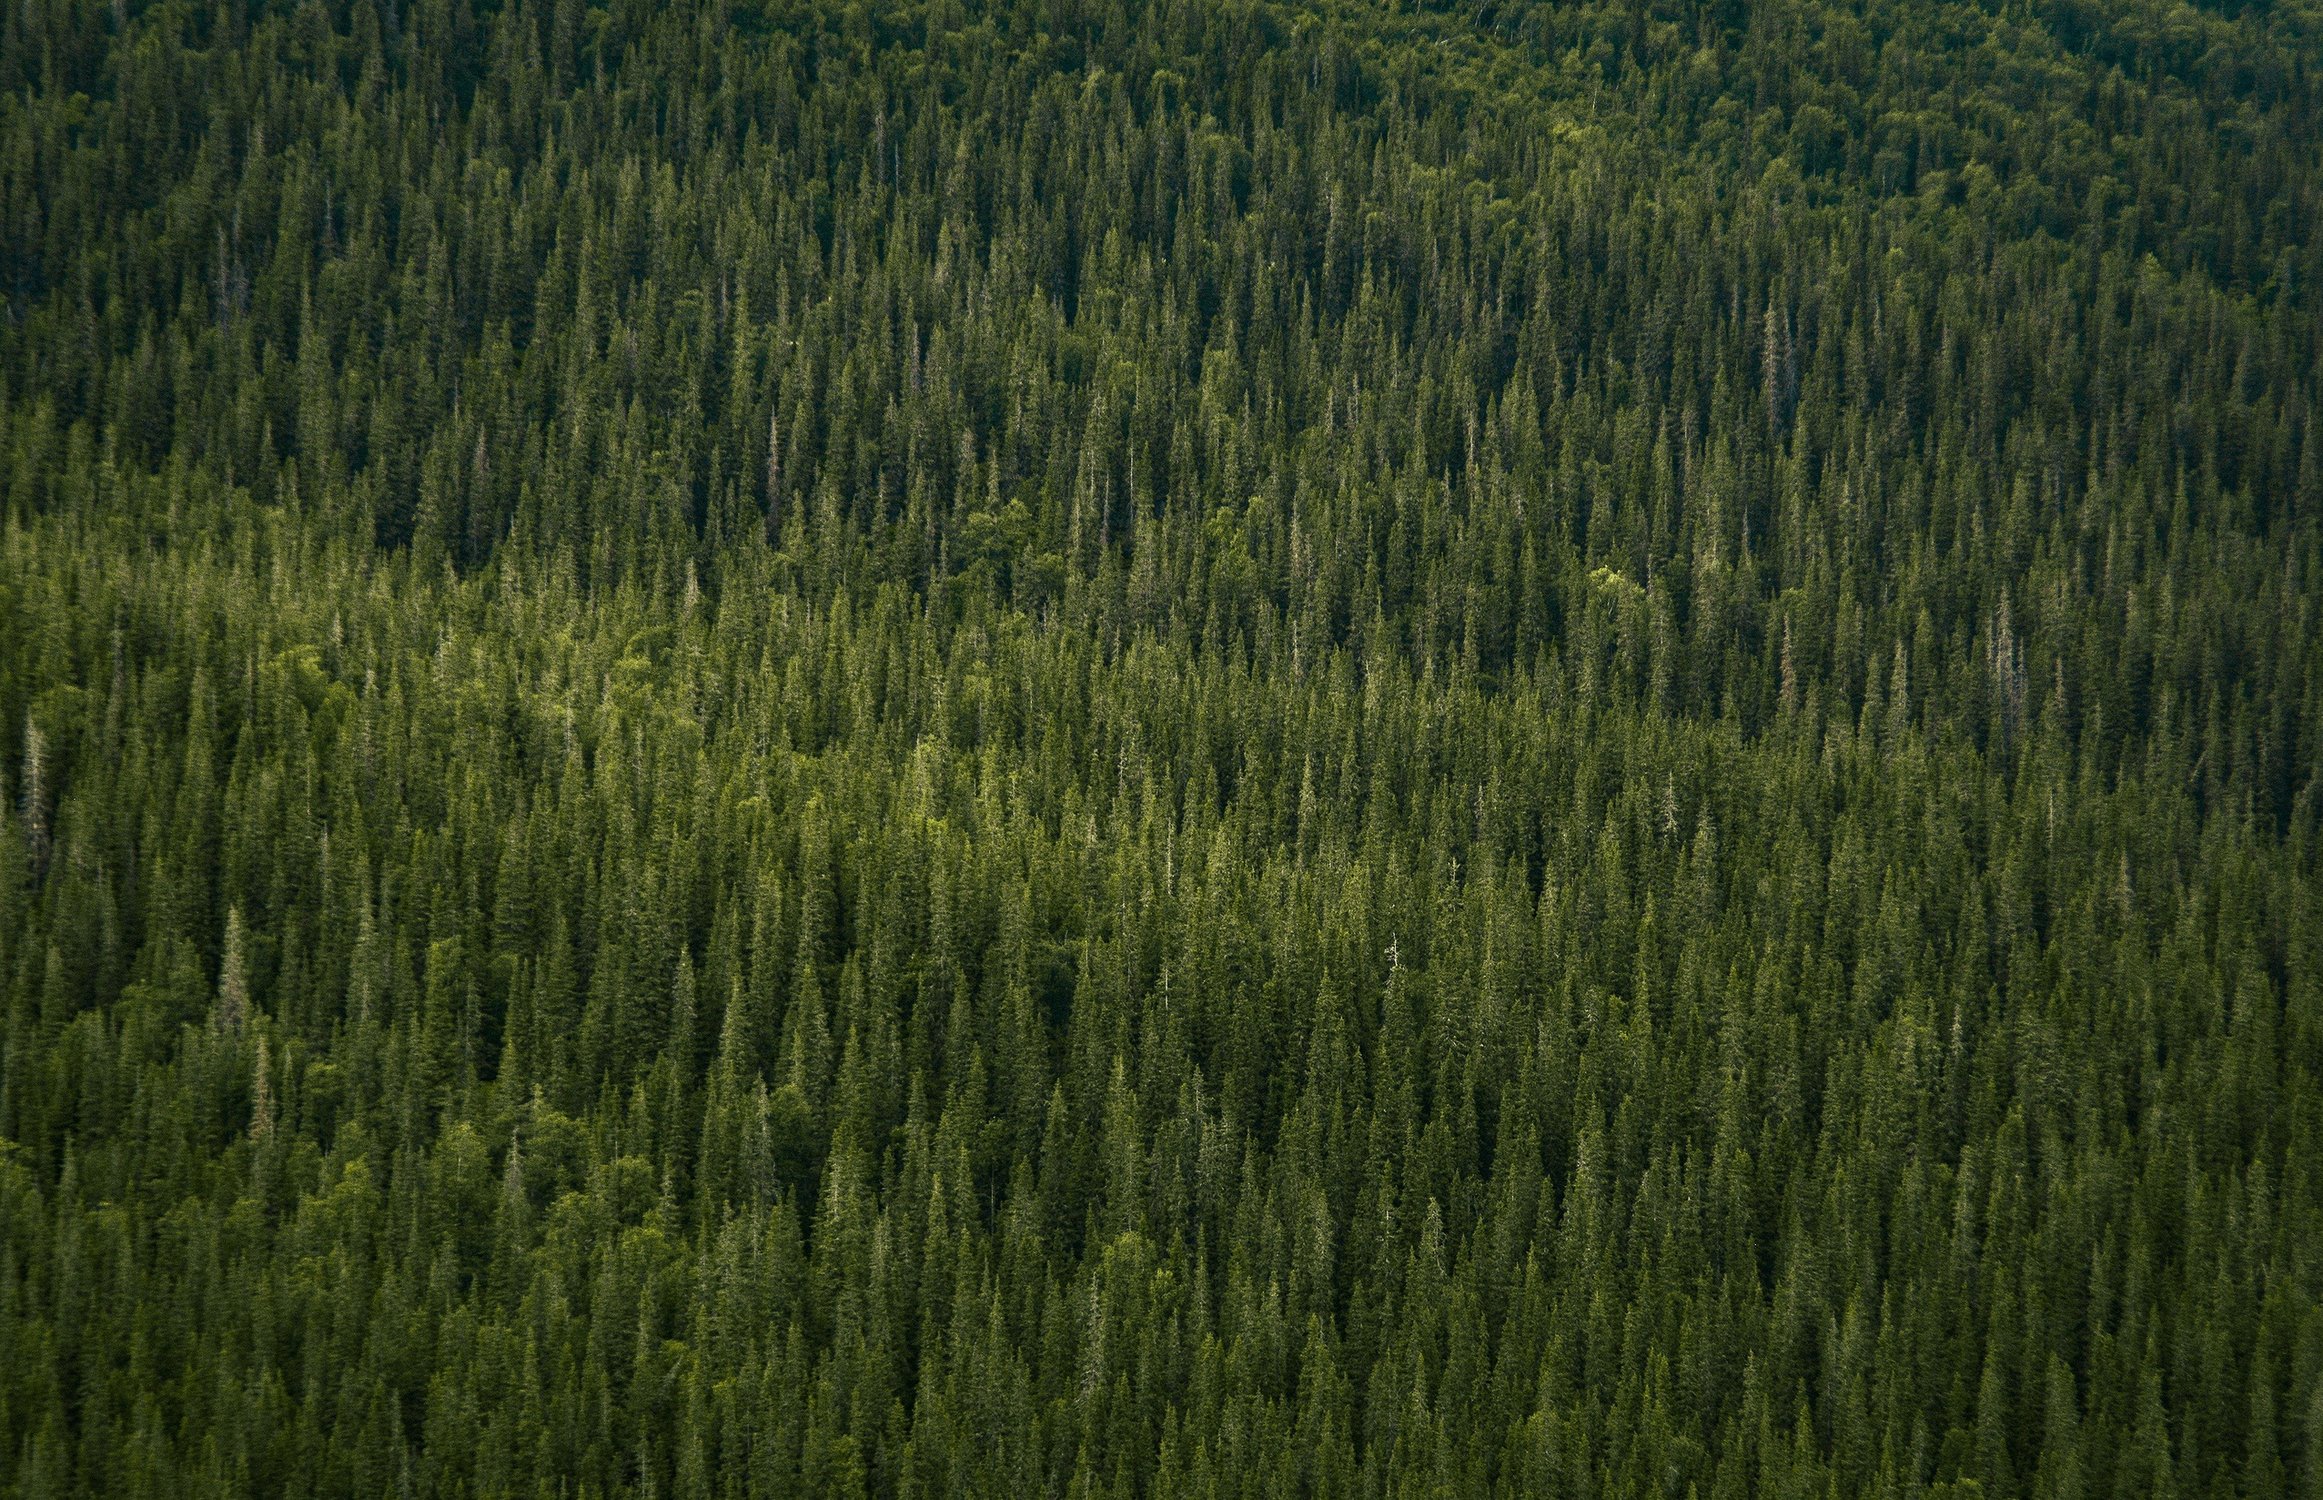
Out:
{"x": 1426, "y": 749}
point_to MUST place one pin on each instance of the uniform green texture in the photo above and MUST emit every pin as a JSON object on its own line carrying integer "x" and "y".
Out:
{"x": 1100, "y": 749}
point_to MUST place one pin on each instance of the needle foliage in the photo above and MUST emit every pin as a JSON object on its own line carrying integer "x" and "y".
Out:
{"x": 1115, "y": 749}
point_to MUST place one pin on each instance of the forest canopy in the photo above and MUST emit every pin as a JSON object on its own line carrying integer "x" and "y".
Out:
{"x": 1125, "y": 749}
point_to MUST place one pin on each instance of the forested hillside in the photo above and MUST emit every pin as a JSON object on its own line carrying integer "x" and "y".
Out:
{"x": 1117, "y": 749}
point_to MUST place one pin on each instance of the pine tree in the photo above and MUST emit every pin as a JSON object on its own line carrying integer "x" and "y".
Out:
{"x": 233, "y": 1007}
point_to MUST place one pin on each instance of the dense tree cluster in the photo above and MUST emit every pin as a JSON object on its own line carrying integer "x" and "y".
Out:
{"x": 1198, "y": 748}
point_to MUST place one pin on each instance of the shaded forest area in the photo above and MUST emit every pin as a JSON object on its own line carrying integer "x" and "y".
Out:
{"x": 1120, "y": 749}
